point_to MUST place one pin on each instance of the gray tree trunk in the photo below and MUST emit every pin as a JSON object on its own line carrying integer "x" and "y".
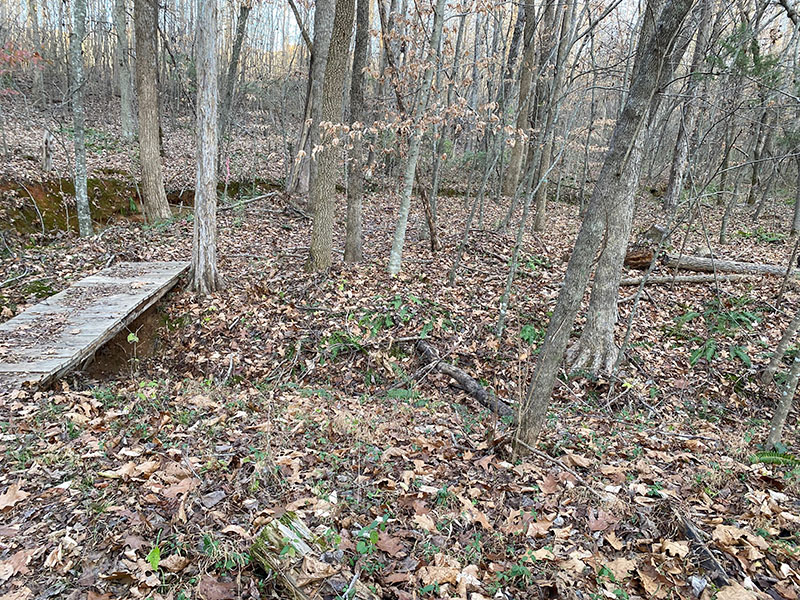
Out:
{"x": 154, "y": 198}
{"x": 616, "y": 184}
{"x": 523, "y": 103}
{"x": 415, "y": 142}
{"x": 596, "y": 349}
{"x": 36, "y": 42}
{"x": 553, "y": 107}
{"x": 780, "y": 350}
{"x": 796, "y": 218}
{"x": 322, "y": 187}
{"x": 688, "y": 121}
{"x": 205, "y": 278}
{"x": 323, "y": 28}
{"x": 122, "y": 51}
{"x": 233, "y": 70}
{"x": 79, "y": 116}
{"x": 353, "y": 247}
{"x": 784, "y": 405}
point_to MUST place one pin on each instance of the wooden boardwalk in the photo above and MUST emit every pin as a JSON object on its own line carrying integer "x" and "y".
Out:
{"x": 60, "y": 333}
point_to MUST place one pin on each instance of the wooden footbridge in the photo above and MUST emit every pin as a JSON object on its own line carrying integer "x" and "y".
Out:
{"x": 49, "y": 339}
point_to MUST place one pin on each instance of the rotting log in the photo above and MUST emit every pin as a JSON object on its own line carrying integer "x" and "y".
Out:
{"x": 639, "y": 258}
{"x": 468, "y": 384}
{"x": 706, "y": 264}
{"x": 661, "y": 280}
{"x": 301, "y": 565}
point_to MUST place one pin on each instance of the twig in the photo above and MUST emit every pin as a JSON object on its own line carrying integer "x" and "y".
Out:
{"x": 36, "y": 206}
{"x": 349, "y": 590}
{"x": 11, "y": 280}
{"x": 559, "y": 463}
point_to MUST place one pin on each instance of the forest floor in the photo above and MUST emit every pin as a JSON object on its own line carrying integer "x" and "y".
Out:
{"x": 149, "y": 474}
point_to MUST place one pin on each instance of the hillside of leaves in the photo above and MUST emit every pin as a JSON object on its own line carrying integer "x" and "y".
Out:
{"x": 148, "y": 474}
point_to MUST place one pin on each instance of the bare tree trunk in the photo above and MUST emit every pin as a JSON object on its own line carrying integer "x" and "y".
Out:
{"x": 616, "y": 184}
{"x": 205, "y": 278}
{"x": 796, "y": 218}
{"x": 688, "y": 121}
{"x": 233, "y": 70}
{"x": 322, "y": 188}
{"x": 784, "y": 405}
{"x": 79, "y": 116}
{"x": 122, "y": 51}
{"x": 553, "y": 104}
{"x": 780, "y": 350}
{"x": 415, "y": 142}
{"x": 729, "y": 208}
{"x": 36, "y": 43}
{"x": 154, "y": 198}
{"x": 523, "y": 103}
{"x": 353, "y": 247}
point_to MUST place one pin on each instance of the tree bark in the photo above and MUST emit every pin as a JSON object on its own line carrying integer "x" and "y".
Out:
{"x": 784, "y": 406}
{"x": 79, "y": 116}
{"x": 354, "y": 241}
{"x": 233, "y": 70}
{"x": 322, "y": 188}
{"x": 780, "y": 350}
{"x": 616, "y": 184}
{"x": 523, "y": 103}
{"x": 122, "y": 51}
{"x": 154, "y": 198}
{"x": 796, "y": 218}
{"x": 36, "y": 42}
{"x": 596, "y": 349}
{"x": 414, "y": 143}
{"x": 689, "y": 114}
{"x": 205, "y": 278}
{"x": 553, "y": 104}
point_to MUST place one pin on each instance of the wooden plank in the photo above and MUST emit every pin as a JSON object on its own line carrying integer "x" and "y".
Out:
{"x": 58, "y": 334}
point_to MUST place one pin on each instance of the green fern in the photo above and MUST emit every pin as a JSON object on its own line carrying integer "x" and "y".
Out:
{"x": 774, "y": 458}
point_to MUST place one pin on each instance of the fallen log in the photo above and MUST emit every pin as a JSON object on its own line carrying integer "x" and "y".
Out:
{"x": 467, "y": 383}
{"x": 302, "y": 566}
{"x": 639, "y": 258}
{"x": 661, "y": 280}
{"x": 245, "y": 202}
{"x": 706, "y": 264}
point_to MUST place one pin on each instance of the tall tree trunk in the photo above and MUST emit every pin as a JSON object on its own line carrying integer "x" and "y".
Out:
{"x": 796, "y": 218}
{"x": 122, "y": 51}
{"x": 323, "y": 28}
{"x": 783, "y": 345}
{"x": 596, "y": 349}
{"x": 688, "y": 121}
{"x": 233, "y": 70}
{"x": 523, "y": 103}
{"x": 36, "y": 43}
{"x": 79, "y": 116}
{"x": 784, "y": 405}
{"x": 511, "y": 59}
{"x": 353, "y": 247}
{"x": 154, "y": 198}
{"x": 616, "y": 184}
{"x": 205, "y": 278}
{"x": 322, "y": 188}
{"x": 415, "y": 142}
{"x": 553, "y": 103}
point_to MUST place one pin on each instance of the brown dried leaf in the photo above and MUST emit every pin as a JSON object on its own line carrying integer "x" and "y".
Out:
{"x": 12, "y": 496}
